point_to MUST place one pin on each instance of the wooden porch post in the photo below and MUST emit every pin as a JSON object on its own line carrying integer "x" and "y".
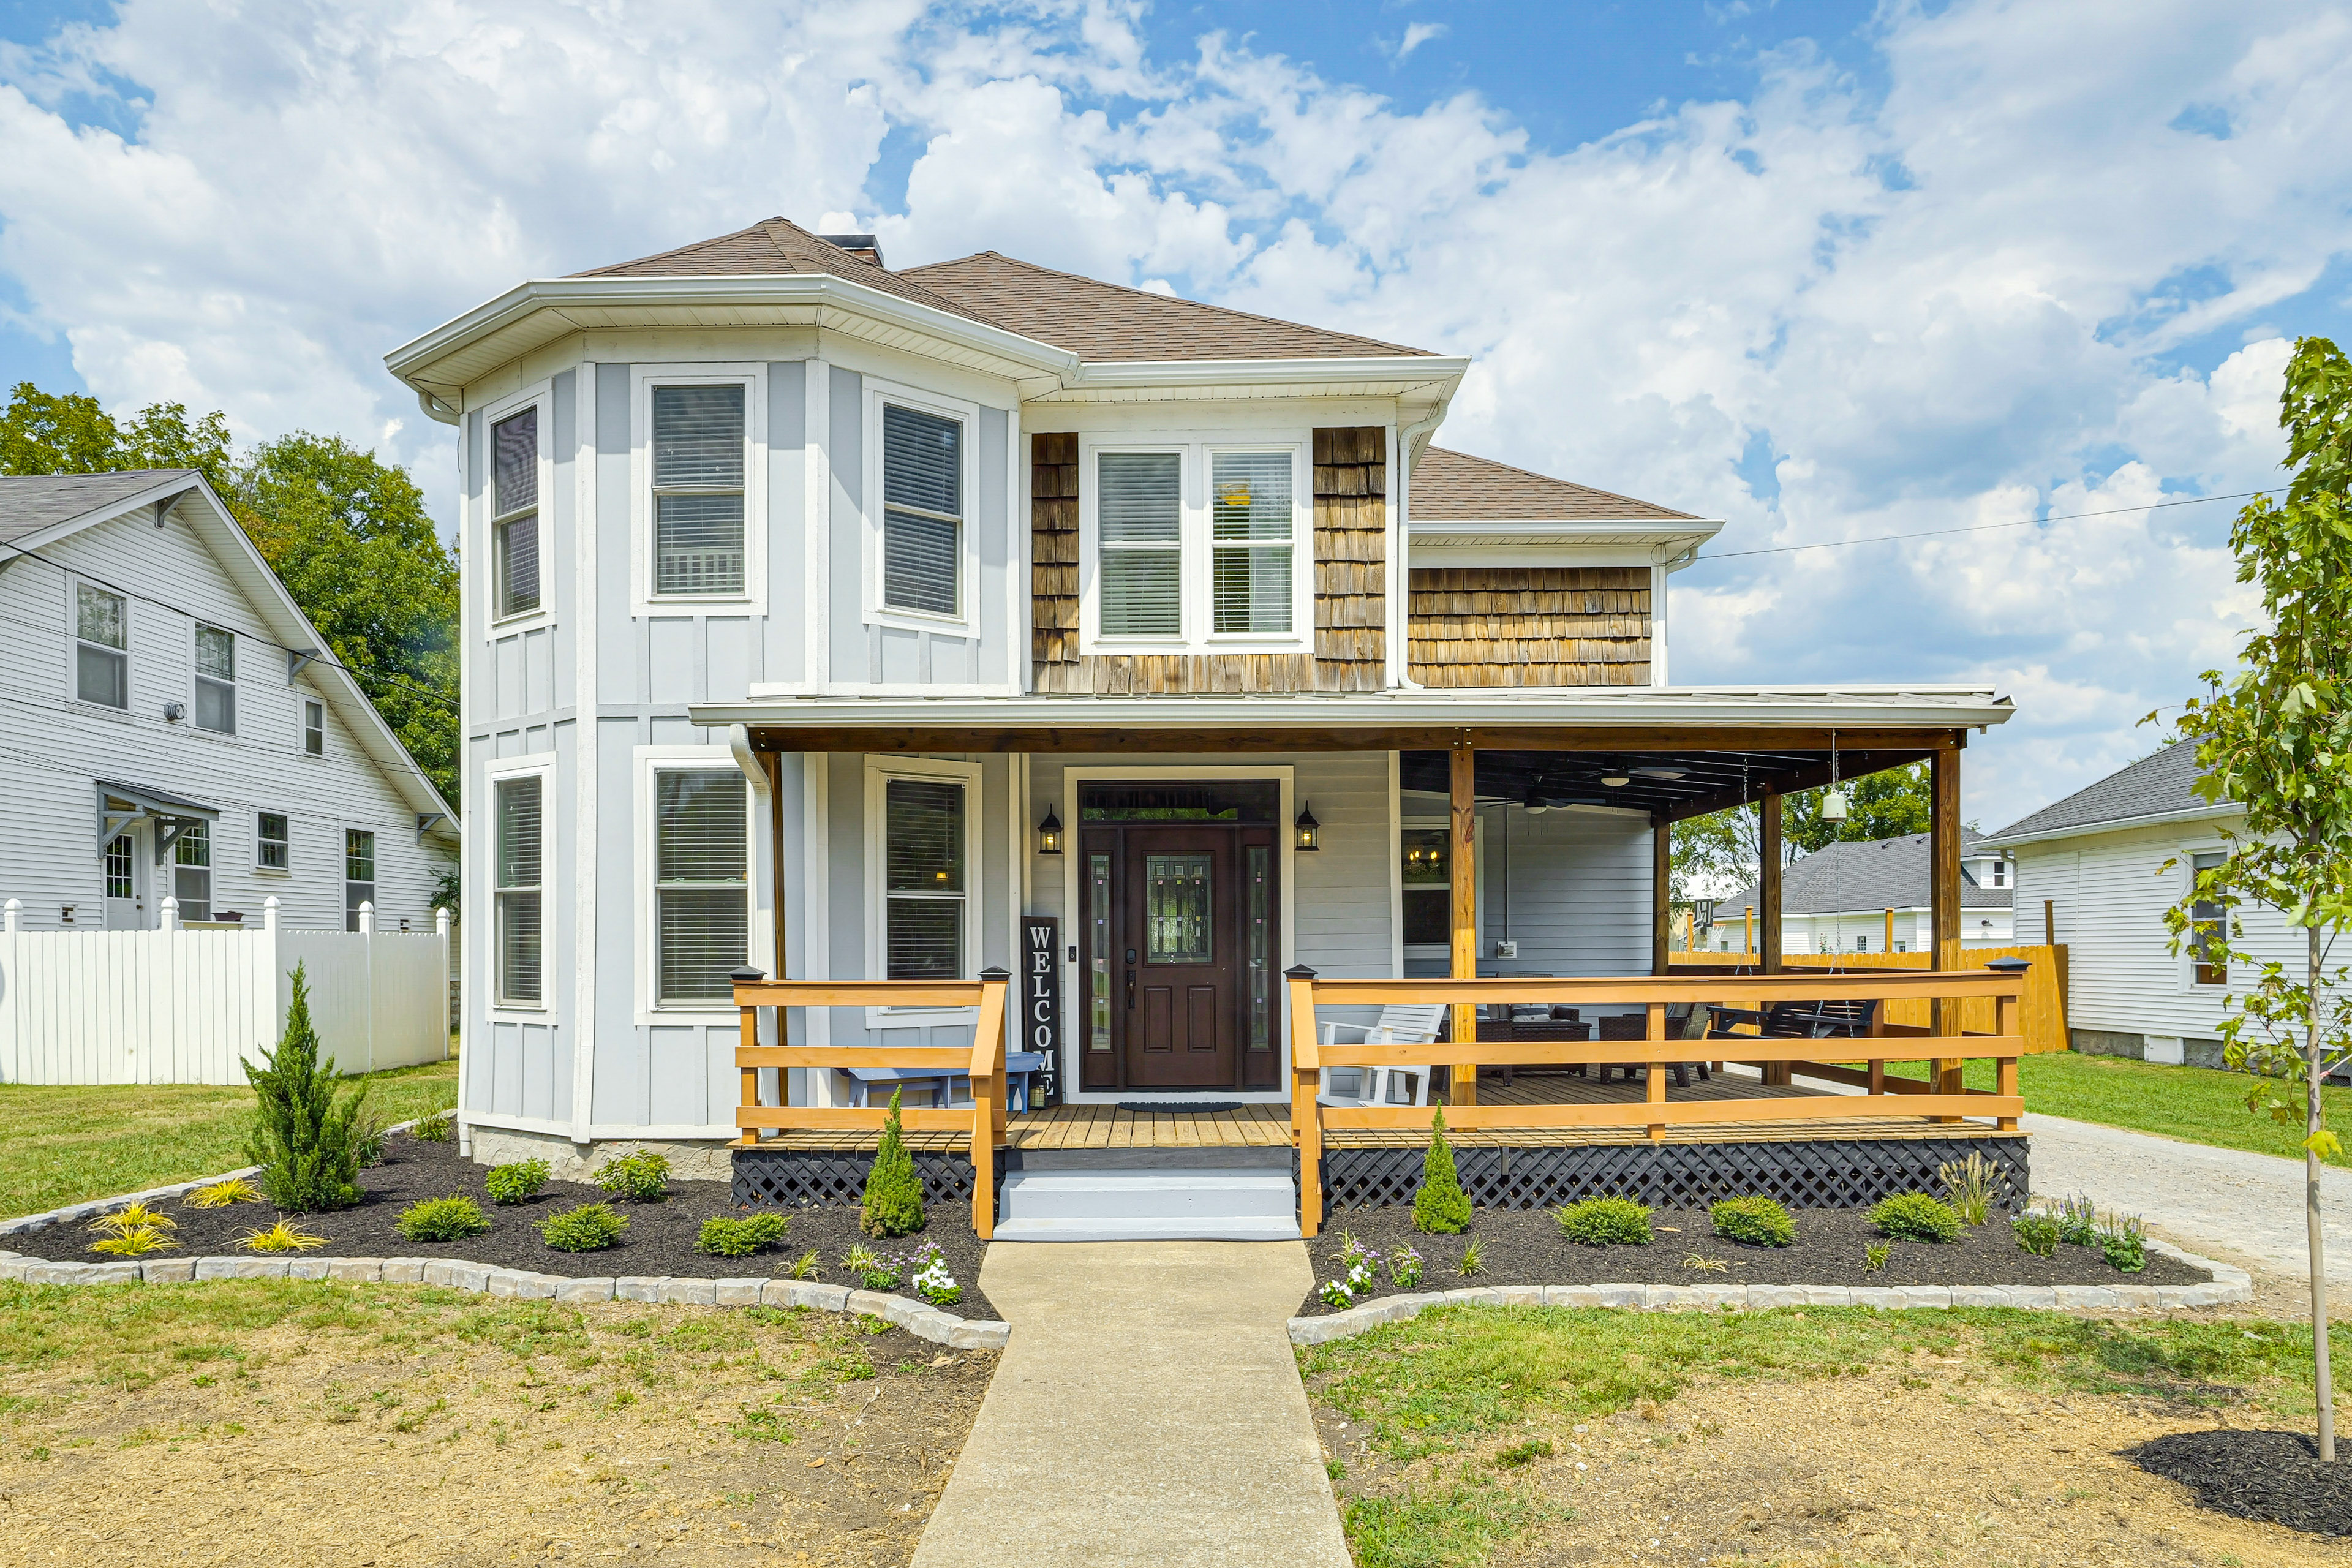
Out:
{"x": 1767, "y": 899}
{"x": 1463, "y": 862}
{"x": 1944, "y": 903}
{"x": 1662, "y": 858}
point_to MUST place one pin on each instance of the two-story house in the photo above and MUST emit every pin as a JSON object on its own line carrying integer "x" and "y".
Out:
{"x": 849, "y": 622}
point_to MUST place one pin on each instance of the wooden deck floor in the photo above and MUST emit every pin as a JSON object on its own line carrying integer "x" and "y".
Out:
{"x": 1268, "y": 1126}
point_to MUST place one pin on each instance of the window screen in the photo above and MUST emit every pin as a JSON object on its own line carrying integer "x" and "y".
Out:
{"x": 1140, "y": 515}
{"x": 924, "y": 878}
{"x": 922, "y": 511}
{"x": 216, "y": 680}
{"x": 702, "y": 890}
{"x": 517, "y": 858}
{"x": 515, "y": 504}
{"x": 1251, "y": 534}
{"x": 698, "y": 442}
{"x": 101, "y": 668}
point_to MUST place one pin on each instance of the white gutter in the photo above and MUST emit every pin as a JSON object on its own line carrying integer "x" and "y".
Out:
{"x": 1415, "y": 369}
{"x": 2111, "y": 825}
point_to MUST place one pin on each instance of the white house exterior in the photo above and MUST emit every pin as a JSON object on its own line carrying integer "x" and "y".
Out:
{"x": 804, "y": 600}
{"x": 1871, "y": 896}
{"x": 169, "y": 732}
{"x": 2110, "y": 860}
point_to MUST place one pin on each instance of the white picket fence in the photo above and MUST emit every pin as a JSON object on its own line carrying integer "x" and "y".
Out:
{"x": 179, "y": 1006}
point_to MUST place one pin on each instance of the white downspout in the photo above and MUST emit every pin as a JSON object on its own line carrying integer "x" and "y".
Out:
{"x": 765, "y": 875}
{"x": 1401, "y": 580}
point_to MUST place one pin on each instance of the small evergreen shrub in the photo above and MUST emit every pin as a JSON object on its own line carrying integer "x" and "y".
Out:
{"x": 893, "y": 1193}
{"x": 283, "y": 1237}
{"x": 1440, "y": 1207}
{"x": 220, "y": 1194}
{"x": 1757, "y": 1221}
{"x": 306, "y": 1141}
{"x": 1604, "y": 1222}
{"x": 642, "y": 1177}
{"x": 590, "y": 1228}
{"x": 2036, "y": 1233}
{"x": 442, "y": 1219}
{"x": 724, "y": 1238}
{"x": 517, "y": 1183}
{"x": 1916, "y": 1217}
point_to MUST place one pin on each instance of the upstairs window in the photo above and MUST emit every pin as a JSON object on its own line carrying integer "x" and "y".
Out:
{"x": 697, "y": 490}
{"x": 1249, "y": 500}
{"x": 518, "y": 861}
{"x": 1195, "y": 545}
{"x": 1140, "y": 508}
{"x": 702, "y": 923}
{"x": 514, "y": 512}
{"x": 314, "y": 727}
{"x": 216, "y": 680}
{"x": 922, "y": 511}
{"x": 101, "y": 636}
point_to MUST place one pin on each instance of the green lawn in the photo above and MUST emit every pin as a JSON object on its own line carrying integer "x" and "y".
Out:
{"x": 2194, "y": 1104}
{"x": 62, "y": 1145}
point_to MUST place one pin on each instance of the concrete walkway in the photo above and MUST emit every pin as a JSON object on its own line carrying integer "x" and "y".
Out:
{"x": 1149, "y": 1411}
{"x": 2249, "y": 1205}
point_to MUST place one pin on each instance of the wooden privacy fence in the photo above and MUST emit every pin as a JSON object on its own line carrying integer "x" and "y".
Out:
{"x": 1943, "y": 1097}
{"x": 2041, "y": 1009}
{"x": 982, "y": 1119}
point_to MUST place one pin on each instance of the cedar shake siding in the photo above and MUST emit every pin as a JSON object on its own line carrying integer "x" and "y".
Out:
{"x": 1528, "y": 625}
{"x": 1350, "y": 470}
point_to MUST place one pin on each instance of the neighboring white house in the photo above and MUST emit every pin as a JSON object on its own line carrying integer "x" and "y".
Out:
{"x": 166, "y": 728}
{"x": 2110, "y": 860}
{"x": 1871, "y": 896}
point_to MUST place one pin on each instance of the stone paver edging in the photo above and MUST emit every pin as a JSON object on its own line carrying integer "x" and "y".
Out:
{"x": 2228, "y": 1285}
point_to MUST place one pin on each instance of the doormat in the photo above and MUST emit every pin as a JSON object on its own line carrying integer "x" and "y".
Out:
{"x": 1185, "y": 1108}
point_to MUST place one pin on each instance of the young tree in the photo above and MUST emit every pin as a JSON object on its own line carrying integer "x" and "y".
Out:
{"x": 310, "y": 1148}
{"x": 2275, "y": 739}
{"x": 894, "y": 1191}
{"x": 1440, "y": 1206}
{"x": 1722, "y": 850}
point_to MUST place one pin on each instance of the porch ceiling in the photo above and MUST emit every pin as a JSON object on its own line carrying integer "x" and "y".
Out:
{"x": 1704, "y": 781}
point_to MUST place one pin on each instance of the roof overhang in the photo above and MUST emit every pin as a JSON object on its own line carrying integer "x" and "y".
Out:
{"x": 1421, "y": 379}
{"x": 2112, "y": 825}
{"x": 1611, "y": 542}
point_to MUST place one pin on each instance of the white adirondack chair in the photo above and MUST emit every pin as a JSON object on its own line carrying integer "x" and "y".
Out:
{"x": 1405, "y": 1024}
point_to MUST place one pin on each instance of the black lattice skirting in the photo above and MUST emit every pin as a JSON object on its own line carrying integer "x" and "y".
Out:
{"x": 1826, "y": 1174}
{"x": 808, "y": 1178}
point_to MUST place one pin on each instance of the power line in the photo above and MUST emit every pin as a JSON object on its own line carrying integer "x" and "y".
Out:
{"x": 1979, "y": 527}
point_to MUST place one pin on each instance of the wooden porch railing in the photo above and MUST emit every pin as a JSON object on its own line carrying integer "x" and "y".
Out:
{"x": 1943, "y": 1097}
{"x": 983, "y": 1060}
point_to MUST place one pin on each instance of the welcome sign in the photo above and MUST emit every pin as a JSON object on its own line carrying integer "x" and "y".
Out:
{"x": 1041, "y": 1004}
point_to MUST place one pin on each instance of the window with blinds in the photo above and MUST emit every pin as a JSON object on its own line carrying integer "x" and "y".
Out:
{"x": 922, "y": 511}
{"x": 923, "y": 878}
{"x": 514, "y": 506}
{"x": 516, "y": 860}
{"x": 702, "y": 928}
{"x": 216, "y": 680}
{"x": 1251, "y": 541}
{"x": 1139, "y": 523}
{"x": 698, "y": 500}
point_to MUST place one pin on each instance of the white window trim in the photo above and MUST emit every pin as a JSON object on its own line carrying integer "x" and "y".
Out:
{"x": 539, "y": 765}
{"x": 2184, "y": 880}
{"x": 75, "y": 581}
{"x": 302, "y": 730}
{"x": 259, "y": 869}
{"x": 645, "y": 761}
{"x": 1197, "y": 561}
{"x": 236, "y": 683}
{"x": 541, "y": 397}
{"x": 966, "y": 622}
{"x": 643, "y": 378}
{"x": 879, "y": 771}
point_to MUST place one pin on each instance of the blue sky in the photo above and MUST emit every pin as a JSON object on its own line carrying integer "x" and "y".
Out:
{"x": 1825, "y": 271}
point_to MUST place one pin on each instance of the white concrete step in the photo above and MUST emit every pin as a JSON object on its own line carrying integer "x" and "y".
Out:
{"x": 1201, "y": 1228}
{"x": 1149, "y": 1195}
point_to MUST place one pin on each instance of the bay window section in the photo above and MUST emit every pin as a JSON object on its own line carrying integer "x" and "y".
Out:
{"x": 697, "y": 490}
{"x": 701, "y": 885}
{"x": 514, "y": 508}
{"x": 922, "y": 511}
{"x": 924, "y": 879}
{"x": 1251, "y": 539}
{"x": 1139, "y": 511}
{"x": 520, "y": 910}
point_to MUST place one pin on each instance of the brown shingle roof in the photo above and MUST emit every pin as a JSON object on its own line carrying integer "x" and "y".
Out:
{"x": 1454, "y": 486}
{"x": 1106, "y": 322}
{"x": 768, "y": 248}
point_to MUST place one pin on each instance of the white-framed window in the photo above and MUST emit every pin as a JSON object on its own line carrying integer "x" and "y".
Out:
{"x": 191, "y": 871}
{"x": 314, "y": 727}
{"x": 102, "y": 646}
{"x": 358, "y": 874}
{"x": 517, "y": 864}
{"x": 516, "y": 482}
{"x": 694, "y": 878}
{"x": 922, "y": 876}
{"x": 216, "y": 680}
{"x": 273, "y": 842}
{"x": 2207, "y": 922}
{"x": 921, "y": 472}
{"x": 1197, "y": 543}
{"x": 699, "y": 485}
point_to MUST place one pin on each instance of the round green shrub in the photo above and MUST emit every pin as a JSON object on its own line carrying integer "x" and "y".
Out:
{"x": 643, "y": 1175}
{"x": 442, "y": 1219}
{"x": 726, "y": 1238}
{"x": 1756, "y": 1220}
{"x": 590, "y": 1227}
{"x": 516, "y": 1183}
{"x": 1604, "y": 1222}
{"x": 1916, "y": 1217}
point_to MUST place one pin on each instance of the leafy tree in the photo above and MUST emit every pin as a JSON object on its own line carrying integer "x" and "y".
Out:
{"x": 1722, "y": 850}
{"x": 1440, "y": 1206}
{"x": 71, "y": 433}
{"x": 2275, "y": 739}
{"x": 305, "y": 1141}
{"x": 894, "y": 1193}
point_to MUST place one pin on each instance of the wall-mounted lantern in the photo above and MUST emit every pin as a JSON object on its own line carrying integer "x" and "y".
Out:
{"x": 1310, "y": 832}
{"x": 1049, "y": 833}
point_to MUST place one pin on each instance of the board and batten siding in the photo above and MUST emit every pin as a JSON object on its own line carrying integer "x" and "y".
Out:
{"x": 53, "y": 747}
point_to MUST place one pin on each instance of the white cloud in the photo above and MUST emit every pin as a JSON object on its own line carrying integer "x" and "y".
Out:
{"x": 1976, "y": 294}
{"x": 1418, "y": 34}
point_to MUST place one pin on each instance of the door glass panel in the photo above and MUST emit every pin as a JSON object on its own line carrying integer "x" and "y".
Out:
{"x": 1176, "y": 908}
{"x": 1099, "y": 982}
{"x": 1259, "y": 943}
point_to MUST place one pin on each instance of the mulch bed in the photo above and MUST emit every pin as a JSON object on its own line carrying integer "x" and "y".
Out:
{"x": 2275, "y": 1477}
{"x": 1523, "y": 1247}
{"x": 660, "y": 1240}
